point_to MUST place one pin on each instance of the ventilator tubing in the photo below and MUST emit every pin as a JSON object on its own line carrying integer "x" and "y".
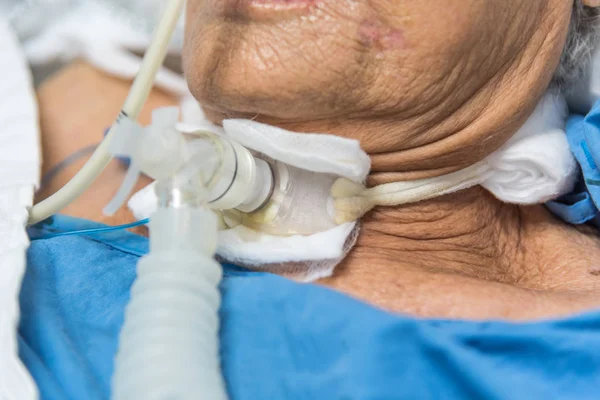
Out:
{"x": 169, "y": 346}
{"x": 132, "y": 107}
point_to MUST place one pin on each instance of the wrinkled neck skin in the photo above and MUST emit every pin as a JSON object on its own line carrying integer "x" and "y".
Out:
{"x": 464, "y": 255}
{"x": 468, "y": 255}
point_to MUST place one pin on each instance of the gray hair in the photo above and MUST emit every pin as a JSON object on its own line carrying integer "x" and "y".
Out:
{"x": 584, "y": 33}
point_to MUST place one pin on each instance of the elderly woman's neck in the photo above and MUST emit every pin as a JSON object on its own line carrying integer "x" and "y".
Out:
{"x": 468, "y": 232}
{"x": 433, "y": 259}
{"x": 473, "y": 234}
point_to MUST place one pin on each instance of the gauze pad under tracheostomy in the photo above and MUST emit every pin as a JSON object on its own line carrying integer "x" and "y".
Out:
{"x": 533, "y": 167}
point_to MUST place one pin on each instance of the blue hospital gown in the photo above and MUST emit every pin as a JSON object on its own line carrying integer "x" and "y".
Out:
{"x": 284, "y": 340}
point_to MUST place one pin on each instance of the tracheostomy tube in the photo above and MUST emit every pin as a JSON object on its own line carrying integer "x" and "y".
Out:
{"x": 169, "y": 345}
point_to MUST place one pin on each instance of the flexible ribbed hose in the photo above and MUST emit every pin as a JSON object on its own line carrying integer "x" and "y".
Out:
{"x": 169, "y": 346}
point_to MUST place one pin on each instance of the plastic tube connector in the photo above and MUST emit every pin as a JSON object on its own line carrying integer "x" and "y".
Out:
{"x": 156, "y": 150}
{"x": 160, "y": 149}
{"x": 246, "y": 182}
{"x": 261, "y": 188}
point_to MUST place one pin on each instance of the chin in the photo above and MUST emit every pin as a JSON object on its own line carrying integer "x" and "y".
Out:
{"x": 286, "y": 69}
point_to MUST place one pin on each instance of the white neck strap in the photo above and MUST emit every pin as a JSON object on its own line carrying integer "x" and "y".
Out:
{"x": 535, "y": 166}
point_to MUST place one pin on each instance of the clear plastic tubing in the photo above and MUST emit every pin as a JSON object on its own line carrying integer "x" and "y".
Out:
{"x": 169, "y": 347}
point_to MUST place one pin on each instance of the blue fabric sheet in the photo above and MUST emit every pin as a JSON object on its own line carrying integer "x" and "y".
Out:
{"x": 581, "y": 206}
{"x": 283, "y": 340}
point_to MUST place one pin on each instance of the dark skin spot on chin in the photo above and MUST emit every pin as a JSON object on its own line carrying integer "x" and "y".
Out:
{"x": 380, "y": 36}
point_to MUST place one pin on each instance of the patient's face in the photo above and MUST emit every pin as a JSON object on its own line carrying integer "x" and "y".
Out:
{"x": 402, "y": 60}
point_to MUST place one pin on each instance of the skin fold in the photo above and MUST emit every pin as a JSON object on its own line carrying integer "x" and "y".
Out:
{"x": 427, "y": 87}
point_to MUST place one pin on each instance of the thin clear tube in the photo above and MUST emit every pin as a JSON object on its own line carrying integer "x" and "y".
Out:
{"x": 132, "y": 107}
